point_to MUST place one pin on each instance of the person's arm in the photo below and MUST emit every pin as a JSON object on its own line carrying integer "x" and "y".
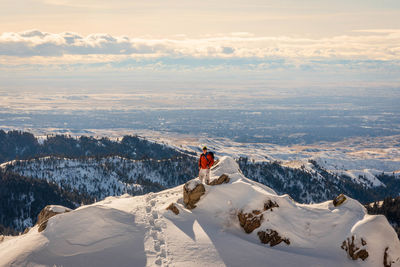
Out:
{"x": 211, "y": 161}
{"x": 200, "y": 162}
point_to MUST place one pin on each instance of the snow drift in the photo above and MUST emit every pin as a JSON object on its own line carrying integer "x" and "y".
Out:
{"x": 140, "y": 231}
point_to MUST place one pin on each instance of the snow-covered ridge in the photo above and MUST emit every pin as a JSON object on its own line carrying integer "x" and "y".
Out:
{"x": 125, "y": 230}
{"x": 359, "y": 158}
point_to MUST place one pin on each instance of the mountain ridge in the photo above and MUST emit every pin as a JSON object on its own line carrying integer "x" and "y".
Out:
{"x": 85, "y": 171}
{"x": 124, "y": 230}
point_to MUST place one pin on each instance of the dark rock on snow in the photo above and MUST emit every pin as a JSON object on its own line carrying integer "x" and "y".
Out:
{"x": 173, "y": 208}
{"x": 269, "y": 204}
{"x": 272, "y": 237}
{"x": 387, "y": 262}
{"x": 339, "y": 200}
{"x": 354, "y": 250}
{"x": 48, "y": 212}
{"x": 250, "y": 221}
{"x": 222, "y": 179}
{"x": 192, "y": 191}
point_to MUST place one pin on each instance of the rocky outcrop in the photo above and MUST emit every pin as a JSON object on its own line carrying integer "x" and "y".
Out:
{"x": 173, "y": 208}
{"x": 355, "y": 249}
{"x": 1, "y": 238}
{"x": 192, "y": 191}
{"x": 42, "y": 226}
{"x": 269, "y": 204}
{"x": 250, "y": 221}
{"x": 339, "y": 200}
{"x": 272, "y": 237}
{"x": 221, "y": 180}
{"x": 48, "y": 212}
{"x": 387, "y": 262}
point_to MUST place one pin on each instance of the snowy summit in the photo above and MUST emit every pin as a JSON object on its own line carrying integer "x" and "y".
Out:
{"x": 234, "y": 222}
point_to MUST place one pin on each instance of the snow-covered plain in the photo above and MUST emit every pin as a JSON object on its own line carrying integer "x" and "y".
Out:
{"x": 139, "y": 231}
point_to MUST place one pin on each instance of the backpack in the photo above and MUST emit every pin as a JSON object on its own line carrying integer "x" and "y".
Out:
{"x": 211, "y": 154}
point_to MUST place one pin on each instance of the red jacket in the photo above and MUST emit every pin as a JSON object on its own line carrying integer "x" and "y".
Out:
{"x": 205, "y": 163}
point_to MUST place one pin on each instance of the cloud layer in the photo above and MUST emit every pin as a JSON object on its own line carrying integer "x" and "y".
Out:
{"x": 366, "y": 57}
{"x": 362, "y": 45}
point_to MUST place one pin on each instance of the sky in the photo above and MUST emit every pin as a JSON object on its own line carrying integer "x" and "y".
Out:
{"x": 70, "y": 43}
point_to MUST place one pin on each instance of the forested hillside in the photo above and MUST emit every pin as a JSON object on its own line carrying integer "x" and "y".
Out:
{"x": 315, "y": 184}
{"x": 22, "y": 198}
{"x": 23, "y": 145}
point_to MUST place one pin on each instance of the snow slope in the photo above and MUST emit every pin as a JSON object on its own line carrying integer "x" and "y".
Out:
{"x": 139, "y": 231}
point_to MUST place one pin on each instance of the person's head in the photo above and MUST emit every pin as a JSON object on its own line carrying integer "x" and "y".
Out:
{"x": 204, "y": 149}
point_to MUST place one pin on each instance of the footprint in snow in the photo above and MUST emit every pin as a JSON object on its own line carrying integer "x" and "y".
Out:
{"x": 155, "y": 214}
{"x": 157, "y": 246}
{"x": 151, "y": 222}
{"x": 154, "y": 234}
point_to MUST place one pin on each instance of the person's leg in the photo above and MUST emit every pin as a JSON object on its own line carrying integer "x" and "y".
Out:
{"x": 202, "y": 175}
{"x": 207, "y": 176}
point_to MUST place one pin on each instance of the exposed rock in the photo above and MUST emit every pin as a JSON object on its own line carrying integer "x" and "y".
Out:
{"x": 339, "y": 200}
{"x": 272, "y": 237}
{"x": 47, "y": 212}
{"x": 250, "y": 221}
{"x": 173, "y": 208}
{"x": 1, "y": 238}
{"x": 222, "y": 179}
{"x": 269, "y": 204}
{"x": 26, "y": 230}
{"x": 363, "y": 242}
{"x": 354, "y": 250}
{"x": 192, "y": 191}
{"x": 256, "y": 212}
{"x": 386, "y": 261}
{"x": 42, "y": 226}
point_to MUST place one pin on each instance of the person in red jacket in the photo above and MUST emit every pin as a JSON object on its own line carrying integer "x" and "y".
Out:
{"x": 205, "y": 162}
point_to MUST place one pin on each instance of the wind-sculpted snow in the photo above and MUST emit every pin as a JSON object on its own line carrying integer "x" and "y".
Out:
{"x": 140, "y": 231}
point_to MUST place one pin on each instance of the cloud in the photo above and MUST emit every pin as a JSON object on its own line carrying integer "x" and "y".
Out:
{"x": 228, "y": 50}
{"x": 36, "y": 43}
{"x": 365, "y": 57}
{"x": 375, "y": 45}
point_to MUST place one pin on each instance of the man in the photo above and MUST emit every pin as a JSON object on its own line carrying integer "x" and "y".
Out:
{"x": 205, "y": 163}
